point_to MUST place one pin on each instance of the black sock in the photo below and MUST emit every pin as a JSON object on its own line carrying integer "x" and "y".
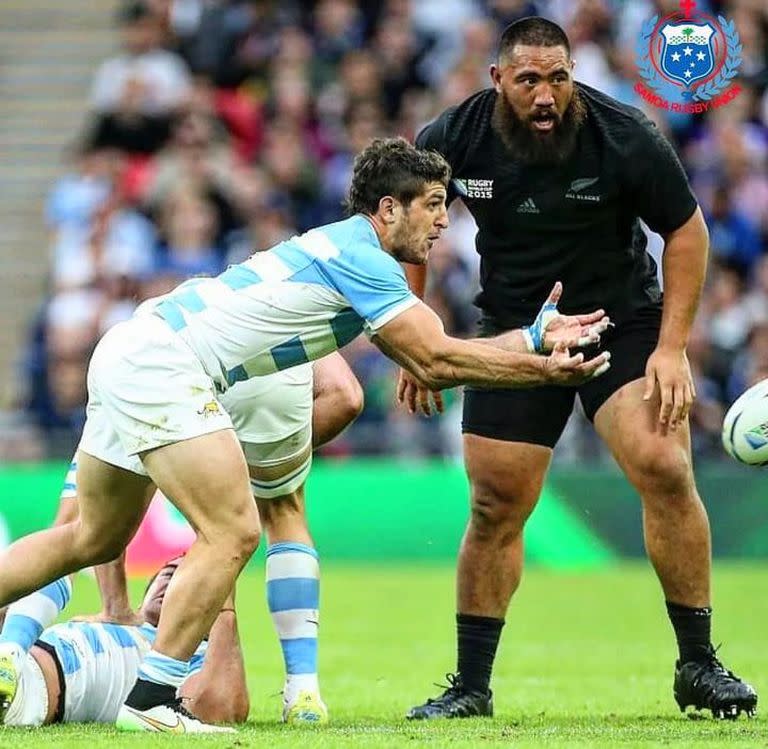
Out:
{"x": 478, "y": 638}
{"x": 146, "y": 694}
{"x": 692, "y": 629}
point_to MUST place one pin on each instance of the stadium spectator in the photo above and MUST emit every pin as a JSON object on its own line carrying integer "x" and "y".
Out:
{"x": 134, "y": 94}
{"x": 189, "y": 228}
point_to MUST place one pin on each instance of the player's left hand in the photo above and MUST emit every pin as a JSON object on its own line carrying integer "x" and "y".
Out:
{"x": 669, "y": 368}
{"x": 575, "y": 331}
{"x": 413, "y": 394}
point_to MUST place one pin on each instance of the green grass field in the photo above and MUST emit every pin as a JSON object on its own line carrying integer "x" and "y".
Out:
{"x": 586, "y": 661}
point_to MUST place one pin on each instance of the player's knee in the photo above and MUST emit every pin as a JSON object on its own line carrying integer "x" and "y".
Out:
{"x": 243, "y": 541}
{"x": 497, "y": 513}
{"x": 663, "y": 471}
{"x": 95, "y": 547}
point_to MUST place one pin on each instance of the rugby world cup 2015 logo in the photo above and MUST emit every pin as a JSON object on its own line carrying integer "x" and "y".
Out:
{"x": 688, "y": 60}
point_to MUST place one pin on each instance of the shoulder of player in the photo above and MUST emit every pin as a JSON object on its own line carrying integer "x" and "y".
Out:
{"x": 465, "y": 123}
{"x": 357, "y": 243}
{"x": 625, "y": 127}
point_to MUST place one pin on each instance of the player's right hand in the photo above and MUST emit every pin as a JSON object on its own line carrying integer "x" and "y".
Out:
{"x": 563, "y": 369}
{"x": 412, "y": 394}
{"x": 129, "y": 618}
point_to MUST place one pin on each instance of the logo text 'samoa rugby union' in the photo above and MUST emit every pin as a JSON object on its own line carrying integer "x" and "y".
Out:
{"x": 687, "y": 60}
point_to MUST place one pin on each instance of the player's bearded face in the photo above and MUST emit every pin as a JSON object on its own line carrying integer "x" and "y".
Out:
{"x": 538, "y": 111}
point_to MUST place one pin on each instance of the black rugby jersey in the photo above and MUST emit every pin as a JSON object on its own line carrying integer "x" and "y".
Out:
{"x": 576, "y": 222}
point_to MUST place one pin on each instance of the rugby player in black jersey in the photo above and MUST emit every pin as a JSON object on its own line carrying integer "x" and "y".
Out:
{"x": 557, "y": 176}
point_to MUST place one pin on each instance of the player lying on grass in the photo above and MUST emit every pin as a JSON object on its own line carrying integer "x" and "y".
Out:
{"x": 155, "y": 382}
{"x": 80, "y": 672}
{"x": 278, "y": 420}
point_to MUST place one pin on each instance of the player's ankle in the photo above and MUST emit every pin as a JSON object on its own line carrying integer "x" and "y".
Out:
{"x": 147, "y": 694}
{"x": 296, "y": 683}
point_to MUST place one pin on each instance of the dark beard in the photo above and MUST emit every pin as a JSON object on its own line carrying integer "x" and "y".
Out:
{"x": 539, "y": 148}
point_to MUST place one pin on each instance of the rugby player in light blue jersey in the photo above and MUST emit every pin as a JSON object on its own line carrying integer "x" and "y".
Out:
{"x": 278, "y": 419}
{"x": 155, "y": 381}
{"x": 80, "y": 672}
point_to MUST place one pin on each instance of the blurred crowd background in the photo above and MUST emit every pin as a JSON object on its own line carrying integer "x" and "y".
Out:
{"x": 223, "y": 126}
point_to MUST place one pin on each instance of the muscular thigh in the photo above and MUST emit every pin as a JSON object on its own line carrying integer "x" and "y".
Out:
{"x": 111, "y": 501}
{"x": 207, "y": 479}
{"x": 653, "y": 461}
{"x": 505, "y": 477}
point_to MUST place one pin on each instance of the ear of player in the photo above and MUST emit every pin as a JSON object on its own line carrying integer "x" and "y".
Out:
{"x": 575, "y": 331}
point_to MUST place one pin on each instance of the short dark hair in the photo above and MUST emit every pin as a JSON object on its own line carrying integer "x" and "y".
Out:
{"x": 392, "y": 166}
{"x": 533, "y": 31}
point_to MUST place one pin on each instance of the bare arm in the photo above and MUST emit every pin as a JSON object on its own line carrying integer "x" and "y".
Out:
{"x": 416, "y": 275}
{"x": 685, "y": 265}
{"x": 549, "y": 329}
{"x": 113, "y": 586}
{"x": 218, "y": 693}
{"x": 416, "y": 340}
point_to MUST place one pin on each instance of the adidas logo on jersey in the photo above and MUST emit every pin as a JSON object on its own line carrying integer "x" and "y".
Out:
{"x": 528, "y": 206}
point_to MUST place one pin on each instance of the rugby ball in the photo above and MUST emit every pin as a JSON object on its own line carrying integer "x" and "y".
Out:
{"x": 745, "y": 427}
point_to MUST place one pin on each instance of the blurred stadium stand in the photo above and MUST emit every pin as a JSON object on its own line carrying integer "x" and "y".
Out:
{"x": 233, "y": 124}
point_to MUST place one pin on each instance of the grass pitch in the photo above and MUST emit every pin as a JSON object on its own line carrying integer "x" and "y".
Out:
{"x": 586, "y": 661}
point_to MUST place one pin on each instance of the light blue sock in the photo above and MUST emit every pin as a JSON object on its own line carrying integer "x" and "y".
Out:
{"x": 293, "y": 596}
{"x": 162, "y": 669}
{"x": 28, "y": 617}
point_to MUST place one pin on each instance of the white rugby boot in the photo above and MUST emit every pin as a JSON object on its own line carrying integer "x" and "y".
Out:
{"x": 170, "y": 717}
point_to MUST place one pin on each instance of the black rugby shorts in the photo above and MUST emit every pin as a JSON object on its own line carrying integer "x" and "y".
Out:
{"x": 538, "y": 415}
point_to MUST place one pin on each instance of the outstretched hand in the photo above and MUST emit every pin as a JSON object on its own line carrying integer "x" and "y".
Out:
{"x": 565, "y": 369}
{"x": 575, "y": 331}
{"x": 415, "y": 396}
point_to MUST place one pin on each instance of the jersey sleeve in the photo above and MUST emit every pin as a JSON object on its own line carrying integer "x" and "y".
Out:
{"x": 663, "y": 196}
{"x": 374, "y": 285}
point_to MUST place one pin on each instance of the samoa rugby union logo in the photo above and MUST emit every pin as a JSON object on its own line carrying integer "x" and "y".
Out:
{"x": 687, "y": 60}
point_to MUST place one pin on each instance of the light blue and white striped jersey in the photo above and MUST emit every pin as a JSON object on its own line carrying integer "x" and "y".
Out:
{"x": 100, "y": 663}
{"x": 294, "y": 303}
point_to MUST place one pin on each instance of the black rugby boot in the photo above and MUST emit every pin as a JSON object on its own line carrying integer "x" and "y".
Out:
{"x": 707, "y": 684}
{"x": 454, "y": 702}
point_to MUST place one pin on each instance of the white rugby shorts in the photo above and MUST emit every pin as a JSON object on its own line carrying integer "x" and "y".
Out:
{"x": 147, "y": 389}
